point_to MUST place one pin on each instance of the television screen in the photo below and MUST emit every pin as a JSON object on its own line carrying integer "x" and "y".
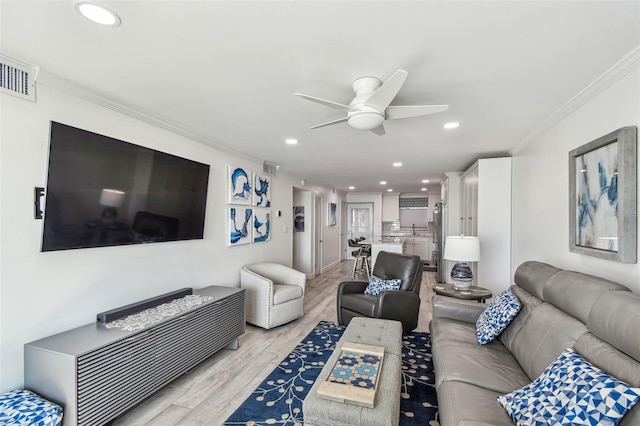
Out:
{"x": 103, "y": 191}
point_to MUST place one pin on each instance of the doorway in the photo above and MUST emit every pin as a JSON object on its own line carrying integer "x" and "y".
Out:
{"x": 359, "y": 222}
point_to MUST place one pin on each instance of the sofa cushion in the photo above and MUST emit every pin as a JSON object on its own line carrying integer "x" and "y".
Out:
{"x": 444, "y": 330}
{"x": 378, "y": 285}
{"x": 571, "y": 391}
{"x": 619, "y": 326}
{"x": 528, "y": 303}
{"x": 497, "y": 316}
{"x": 575, "y": 293}
{"x": 284, "y": 292}
{"x": 485, "y": 366}
{"x": 547, "y": 332}
{"x": 533, "y": 276}
{"x": 459, "y": 403}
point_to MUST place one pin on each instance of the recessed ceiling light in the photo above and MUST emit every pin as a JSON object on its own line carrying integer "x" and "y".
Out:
{"x": 352, "y": 187}
{"x": 98, "y": 14}
{"x": 451, "y": 125}
{"x": 389, "y": 190}
{"x": 423, "y": 189}
{"x": 425, "y": 180}
{"x": 397, "y": 164}
{"x": 291, "y": 141}
{"x": 383, "y": 182}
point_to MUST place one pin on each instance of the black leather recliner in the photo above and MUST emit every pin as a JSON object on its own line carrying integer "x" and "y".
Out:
{"x": 401, "y": 305}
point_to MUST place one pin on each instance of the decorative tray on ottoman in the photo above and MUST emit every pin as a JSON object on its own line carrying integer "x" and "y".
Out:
{"x": 354, "y": 376}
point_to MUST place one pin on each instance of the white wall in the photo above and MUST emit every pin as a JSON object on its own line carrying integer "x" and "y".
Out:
{"x": 303, "y": 241}
{"x": 541, "y": 183}
{"x": 46, "y": 293}
{"x": 303, "y": 259}
{"x": 331, "y": 234}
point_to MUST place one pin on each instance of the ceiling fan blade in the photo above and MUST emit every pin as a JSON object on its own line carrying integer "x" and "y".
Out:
{"x": 381, "y": 98}
{"x": 329, "y": 123}
{"x": 379, "y": 130}
{"x": 395, "y": 112}
{"x": 324, "y": 102}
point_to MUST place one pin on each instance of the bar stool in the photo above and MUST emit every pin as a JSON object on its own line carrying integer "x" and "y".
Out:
{"x": 361, "y": 255}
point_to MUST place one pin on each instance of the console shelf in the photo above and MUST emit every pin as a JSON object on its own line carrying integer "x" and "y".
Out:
{"x": 96, "y": 373}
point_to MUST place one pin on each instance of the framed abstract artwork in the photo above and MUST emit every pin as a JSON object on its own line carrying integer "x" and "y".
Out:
{"x": 261, "y": 190}
{"x": 298, "y": 219}
{"x": 261, "y": 225}
{"x": 240, "y": 226}
{"x": 239, "y": 183}
{"x": 332, "y": 214}
{"x": 603, "y": 210}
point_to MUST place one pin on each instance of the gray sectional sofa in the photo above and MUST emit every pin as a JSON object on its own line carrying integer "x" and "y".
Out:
{"x": 561, "y": 309}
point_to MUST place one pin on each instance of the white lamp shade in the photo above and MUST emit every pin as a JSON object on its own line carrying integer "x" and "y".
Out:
{"x": 111, "y": 197}
{"x": 462, "y": 249}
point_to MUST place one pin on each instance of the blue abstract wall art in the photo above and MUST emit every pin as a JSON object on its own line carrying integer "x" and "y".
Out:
{"x": 298, "y": 219}
{"x": 597, "y": 198}
{"x": 240, "y": 226}
{"x": 261, "y": 191}
{"x": 240, "y": 186}
{"x": 261, "y": 225}
{"x": 333, "y": 213}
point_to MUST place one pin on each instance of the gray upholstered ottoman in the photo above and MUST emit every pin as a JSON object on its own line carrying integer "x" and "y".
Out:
{"x": 378, "y": 332}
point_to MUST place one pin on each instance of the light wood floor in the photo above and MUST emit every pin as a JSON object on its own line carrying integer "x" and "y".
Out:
{"x": 209, "y": 393}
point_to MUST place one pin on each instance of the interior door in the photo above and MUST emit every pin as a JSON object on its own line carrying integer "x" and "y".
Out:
{"x": 359, "y": 223}
{"x": 317, "y": 217}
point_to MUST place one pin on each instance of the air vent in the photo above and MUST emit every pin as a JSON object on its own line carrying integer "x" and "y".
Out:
{"x": 270, "y": 169}
{"x": 17, "y": 79}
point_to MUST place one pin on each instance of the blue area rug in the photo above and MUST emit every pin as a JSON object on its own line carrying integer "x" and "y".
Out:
{"x": 278, "y": 399}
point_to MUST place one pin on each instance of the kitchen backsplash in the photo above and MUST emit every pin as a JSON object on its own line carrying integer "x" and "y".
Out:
{"x": 393, "y": 229}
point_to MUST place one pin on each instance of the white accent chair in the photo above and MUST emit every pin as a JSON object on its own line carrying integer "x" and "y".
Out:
{"x": 274, "y": 293}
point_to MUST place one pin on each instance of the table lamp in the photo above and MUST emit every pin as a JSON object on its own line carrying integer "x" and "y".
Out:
{"x": 111, "y": 198}
{"x": 462, "y": 250}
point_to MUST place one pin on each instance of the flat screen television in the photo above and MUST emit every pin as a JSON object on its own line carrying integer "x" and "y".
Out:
{"x": 103, "y": 191}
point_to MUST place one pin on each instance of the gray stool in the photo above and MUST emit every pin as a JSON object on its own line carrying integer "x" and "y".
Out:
{"x": 370, "y": 331}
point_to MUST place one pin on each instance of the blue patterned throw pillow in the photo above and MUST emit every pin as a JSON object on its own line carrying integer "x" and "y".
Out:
{"x": 493, "y": 320}
{"x": 571, "y": 391}
{"x": 23, "y": 407}
{"x": 377, "y": 285}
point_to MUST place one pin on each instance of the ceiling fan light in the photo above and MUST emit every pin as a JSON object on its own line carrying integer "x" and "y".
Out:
{"x": 365, "y": 120}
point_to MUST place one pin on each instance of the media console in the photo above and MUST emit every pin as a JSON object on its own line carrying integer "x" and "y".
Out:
{"x": 97, "y": 373}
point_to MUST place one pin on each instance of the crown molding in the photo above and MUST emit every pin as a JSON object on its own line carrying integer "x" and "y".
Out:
{"x": 69, "y": 87}
{"x": 618, "y": 71}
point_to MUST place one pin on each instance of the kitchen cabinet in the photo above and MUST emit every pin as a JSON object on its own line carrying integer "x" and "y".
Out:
{"x": 419, "y": 246}
{"x": 432, "y": 205}
{"x": 485, "y": 212}
{"x": 391, "y": 208}
{"x": 469, "y": 203}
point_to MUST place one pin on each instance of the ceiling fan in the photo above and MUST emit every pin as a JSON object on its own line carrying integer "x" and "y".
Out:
{"x": 370, "y": 108}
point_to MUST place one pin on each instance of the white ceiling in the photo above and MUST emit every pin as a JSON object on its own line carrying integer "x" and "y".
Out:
{"x": 227, "y": 71}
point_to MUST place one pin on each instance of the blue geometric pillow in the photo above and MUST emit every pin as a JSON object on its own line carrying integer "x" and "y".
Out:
{"x": 497, "y": 316}
{"x": 377, "y": 286}
{"x": 23, "y": 407}
{"x": 571, "y": 391}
